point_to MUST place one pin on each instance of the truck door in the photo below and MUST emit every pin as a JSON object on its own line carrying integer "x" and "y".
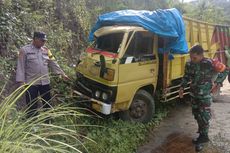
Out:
{"x": 138, "y": 66}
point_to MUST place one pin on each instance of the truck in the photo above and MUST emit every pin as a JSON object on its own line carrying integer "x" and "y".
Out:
{"x": 129, "y": 67}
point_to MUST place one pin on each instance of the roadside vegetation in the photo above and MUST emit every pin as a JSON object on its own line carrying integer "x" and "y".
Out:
{"x": 73, "y": 129}
{"x": 20, "y": 134}
{"x": 67, "y": 24}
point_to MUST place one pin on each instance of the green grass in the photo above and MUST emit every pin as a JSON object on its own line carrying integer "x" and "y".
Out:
{"x": 117, "y": 136}
{"x": 111, "y": 135}
{"x": 72, "y": 130}
{"x": 21, "y": 135}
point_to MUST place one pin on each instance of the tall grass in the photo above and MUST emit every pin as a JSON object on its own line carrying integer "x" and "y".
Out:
{"x": 19, "y": 134}
{"x": 70, "y": 132}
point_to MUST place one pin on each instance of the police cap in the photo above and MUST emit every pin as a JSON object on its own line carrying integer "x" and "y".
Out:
{"x": 40, "y": 35}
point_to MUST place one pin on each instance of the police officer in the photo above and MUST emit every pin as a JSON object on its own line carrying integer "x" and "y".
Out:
{"x": 205, "y": 79}
{"x": 33, "y": 63}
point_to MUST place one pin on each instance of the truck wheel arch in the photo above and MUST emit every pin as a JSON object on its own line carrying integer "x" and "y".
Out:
{"x": 148, "y": 88}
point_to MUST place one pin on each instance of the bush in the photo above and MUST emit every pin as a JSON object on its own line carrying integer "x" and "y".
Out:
{"x": 21, "y": 135}
{"x": 117, "y": 136}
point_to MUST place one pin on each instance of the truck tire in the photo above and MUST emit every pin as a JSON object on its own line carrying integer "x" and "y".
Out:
{"x": 142, "y": 108}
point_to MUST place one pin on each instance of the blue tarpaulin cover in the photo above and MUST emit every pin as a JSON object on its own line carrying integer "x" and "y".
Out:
{"x": 166, "y": 23}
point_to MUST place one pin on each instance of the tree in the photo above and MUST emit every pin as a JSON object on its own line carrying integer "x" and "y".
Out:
{"x": 205, "y": 10}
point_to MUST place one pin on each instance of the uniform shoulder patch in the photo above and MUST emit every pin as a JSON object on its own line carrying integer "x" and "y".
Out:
{"x": 51, "y": 57}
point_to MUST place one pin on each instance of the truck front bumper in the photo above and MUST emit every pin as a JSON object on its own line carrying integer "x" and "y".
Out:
{"x": 96, "y": 104}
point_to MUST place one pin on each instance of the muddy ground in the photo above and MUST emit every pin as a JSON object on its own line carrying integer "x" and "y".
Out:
{"x": 175, "y": 133}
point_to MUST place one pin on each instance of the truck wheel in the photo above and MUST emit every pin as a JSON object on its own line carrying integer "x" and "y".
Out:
{"x": 142, "y": 108}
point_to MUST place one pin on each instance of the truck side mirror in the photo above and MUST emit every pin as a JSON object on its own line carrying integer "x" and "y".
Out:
{"x": 103, "y": 66}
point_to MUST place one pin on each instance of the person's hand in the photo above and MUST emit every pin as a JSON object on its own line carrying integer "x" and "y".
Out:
{"x": 181, "y": 92}
{"x": 215, "y": 88}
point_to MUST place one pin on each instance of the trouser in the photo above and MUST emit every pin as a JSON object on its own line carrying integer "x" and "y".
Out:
{"x": 31, "y": 98}
{"x": 202, "y": 113}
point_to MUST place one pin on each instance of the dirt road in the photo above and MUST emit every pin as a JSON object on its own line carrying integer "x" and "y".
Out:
{"x": 175, "y": 133}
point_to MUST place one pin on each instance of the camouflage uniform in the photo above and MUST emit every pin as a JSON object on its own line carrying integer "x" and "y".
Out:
{"x": 202, "y": 76}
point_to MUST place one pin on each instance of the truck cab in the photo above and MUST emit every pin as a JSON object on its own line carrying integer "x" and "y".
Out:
{"x": 119, "y": 72}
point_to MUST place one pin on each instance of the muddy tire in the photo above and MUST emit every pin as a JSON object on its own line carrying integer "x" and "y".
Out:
{"x": 142, "y": 108}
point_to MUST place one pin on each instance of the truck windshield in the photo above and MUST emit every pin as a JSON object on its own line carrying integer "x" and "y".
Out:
{"x": 109, "y": 42}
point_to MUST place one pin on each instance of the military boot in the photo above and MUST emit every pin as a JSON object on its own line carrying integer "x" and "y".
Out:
{"x": 203, "y": 138}
{"x": 199, "y": 147}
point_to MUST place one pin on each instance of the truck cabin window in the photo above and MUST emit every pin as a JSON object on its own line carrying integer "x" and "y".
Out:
{"x": 140, "y": 47}
{"x": 109, "y": 42}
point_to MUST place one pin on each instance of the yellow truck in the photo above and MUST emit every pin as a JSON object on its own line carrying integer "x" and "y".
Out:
{"x": 124, "y": 71}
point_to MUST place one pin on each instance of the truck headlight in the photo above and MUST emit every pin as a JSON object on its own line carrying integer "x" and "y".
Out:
{"x": 104, "y": 96}
{"x": 97, "y": 94}
{"x": 109, "y": 75}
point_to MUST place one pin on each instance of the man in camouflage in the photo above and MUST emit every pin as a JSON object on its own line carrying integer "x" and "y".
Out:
{"x": 205, "y": 79}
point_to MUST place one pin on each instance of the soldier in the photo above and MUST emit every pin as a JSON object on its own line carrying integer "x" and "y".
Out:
{"x": 205, "y": 79}
{"x": 33, "y": 63}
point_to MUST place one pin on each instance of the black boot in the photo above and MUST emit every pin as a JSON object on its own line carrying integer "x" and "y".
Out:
{"x": 199, "y": 147}
{"x": 203, "y": 138}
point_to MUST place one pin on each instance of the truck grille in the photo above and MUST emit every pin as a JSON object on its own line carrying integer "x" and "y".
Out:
{"x": 88, "y": 87}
